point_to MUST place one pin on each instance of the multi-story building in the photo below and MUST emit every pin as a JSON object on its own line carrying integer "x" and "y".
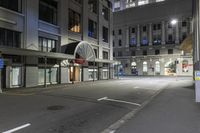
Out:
{"x": 147, "y": 38}
{"x": 55, "y": 41}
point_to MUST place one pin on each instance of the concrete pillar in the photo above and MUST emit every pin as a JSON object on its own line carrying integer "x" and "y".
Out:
{"x": 150, "y": 34}
{"x": 163, "y": 33}
{"x": 177, "y": 34}
{"x": 138, "y": 35}
{"x": 127, "y": 37}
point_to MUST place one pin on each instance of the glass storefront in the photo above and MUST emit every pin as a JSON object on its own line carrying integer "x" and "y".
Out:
{"x": 51, "y": 76}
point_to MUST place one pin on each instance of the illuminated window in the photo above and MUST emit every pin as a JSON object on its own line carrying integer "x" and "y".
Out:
{"x": 117, "y": 4}
{"x": 159, "y": 0}
{"x": 47, "y": 45}
{"x": 157, "y": 67}
{"x": 145, "y": 68}
{"x": 143, "y": 2}
{"x": 74, "y": 21}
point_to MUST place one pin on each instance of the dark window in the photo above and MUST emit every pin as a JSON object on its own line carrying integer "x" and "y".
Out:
{"x": 170, "y": 38}
{"x": 14, "y": 5}
{"x": 157, "y": 52}
{"x": 184, "y": 24}
{"x": 144, "y": 52}
{"x": 113, "y": 43}
{"x": 105, "y": 34}
{"x": 74, "y": 21}
{"x": 170, "y": 51}
{"x": 49, "y": 61}
{"x": 133, "y": 30}
{"x": 184, "y": 36}
{"x": 120, "y": 32}
{"x": 154, "y": 27}
{"x": 113, "y": 54}
{"x": 169, "y": 26}
{"x": 48, "y": 11}
{"x": 133, "y": 53}
{"x": 92, "y": 29}
{"x": 93, "y": 6}
{"x": 144, "y": 28}
{"x": 159, "y": 26}
{"x": 120, "y": 42}
{"x": 105, "y": 55}
{"x": 10, "y": 38}
{"x": 105, "y": 13}
{"x": 96, "y": 53}
{"x": 119, "y": 53}
{"x": 47, "y": 45}
{"x": 113, "y": 32}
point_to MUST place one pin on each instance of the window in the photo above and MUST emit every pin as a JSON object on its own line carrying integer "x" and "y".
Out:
{"x": 48, "y": 11}
{"x": 154, "y": 27}
{"x": 113, "y": 43}
{"x": 96, "y": 53}
{"x": 170, "y": 51}
{"x": 184, "y": 35}
{"x": 119, "y": 53}
{"x": 105, "y": 55}
{"x": 78, "y": 1}
{"x": 184, "y": 24}
{"x": 10, "y": 38}
{"x": 117, "y": 4}
{"x": 105, "y": 34}
{"x": 47, "y": 45}
{"x": 14, "y": 5}
{"x": 113, "y": 54}
{"x": 159, "y": 26}
{"x": 142, "y": 2}
{"x": 144, "y": 52}
{"x": 157, "y": 52}
{"x": 144, "y": 41}
{"x": 133, "y": 30}
{"x": 74, "y": 21}
{"x": 144, "y": 28}
{"x": 120, "y": 42}
{"x": 92, "y": 29}
{"x": 93, "y": 6}
{"x": 145, "y": 68}
{"x": 157, "y": 67}
{"x": 159, "y": 0}
{"x": 113, "y": 32}
{"x": 157, "y": 40}
{"x": 120, "y": 32}
{"x": 133, "y": 42}
{"x": 105, "y": 13}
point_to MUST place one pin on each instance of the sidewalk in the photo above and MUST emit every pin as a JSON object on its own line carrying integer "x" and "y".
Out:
{"x": 172, "y": 111}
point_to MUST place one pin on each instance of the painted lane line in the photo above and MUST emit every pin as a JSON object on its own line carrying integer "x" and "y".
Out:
{"x": 119, "y": 101}
{"x": 17, "y": 128}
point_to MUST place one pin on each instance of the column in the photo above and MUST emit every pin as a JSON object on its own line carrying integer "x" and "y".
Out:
{"x": 127, "y": 37}
{"x": 138, "y": 35}
{"x": 163, "y": 33}
{"x": 150, "y": 34}
{"x": 177, "y": 34}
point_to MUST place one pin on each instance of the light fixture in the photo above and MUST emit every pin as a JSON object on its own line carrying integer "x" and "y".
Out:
{"x": 174, "y": 21}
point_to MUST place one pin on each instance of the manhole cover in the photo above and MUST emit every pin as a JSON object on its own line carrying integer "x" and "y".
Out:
{"x": 55, "y": 107}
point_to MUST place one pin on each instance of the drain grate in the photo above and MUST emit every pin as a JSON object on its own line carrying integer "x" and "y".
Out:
{"x": 55, "y": 107}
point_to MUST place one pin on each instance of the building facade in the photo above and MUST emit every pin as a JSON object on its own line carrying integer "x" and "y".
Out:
{"x": 147, "y": 38}
{"x": 45, "y": 42}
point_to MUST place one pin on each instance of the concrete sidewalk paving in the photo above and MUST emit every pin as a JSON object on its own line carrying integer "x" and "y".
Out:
{"x": 173, "y": 111}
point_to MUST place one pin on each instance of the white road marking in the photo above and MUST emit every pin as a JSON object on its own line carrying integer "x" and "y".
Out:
{"x": 119, "y": 101}
{"x": 113, "y": 131}
{"x": 136, "y": 87}
{"x": 17, "y": 128}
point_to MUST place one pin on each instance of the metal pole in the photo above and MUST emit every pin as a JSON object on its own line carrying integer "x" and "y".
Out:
{"x": 93, "y": 70}
{"x": 45, "y": 72}
{"x": 73, "y": 78}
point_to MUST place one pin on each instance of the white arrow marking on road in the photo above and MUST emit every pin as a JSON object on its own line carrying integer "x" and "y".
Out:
{"x": 119, "y": 101}
{"x": 17, "y": 128}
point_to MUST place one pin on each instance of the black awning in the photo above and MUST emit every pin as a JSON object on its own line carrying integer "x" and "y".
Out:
{"x": 69, "y": 48}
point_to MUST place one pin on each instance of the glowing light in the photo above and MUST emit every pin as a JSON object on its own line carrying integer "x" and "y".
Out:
{"x": 174, "y": 21}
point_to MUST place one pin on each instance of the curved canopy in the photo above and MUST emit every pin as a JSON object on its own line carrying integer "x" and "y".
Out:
{"x": 80, "y": 50}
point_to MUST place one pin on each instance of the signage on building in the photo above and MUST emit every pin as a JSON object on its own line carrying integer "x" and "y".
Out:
{"x": 1, "y": 63}
{"x": 197, "y": 75}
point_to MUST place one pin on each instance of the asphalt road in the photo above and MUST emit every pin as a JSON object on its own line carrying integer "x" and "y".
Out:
{"x": 90, "y": 107}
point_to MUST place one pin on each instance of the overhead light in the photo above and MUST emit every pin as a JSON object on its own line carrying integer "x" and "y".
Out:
{"x": 174, "y": 21}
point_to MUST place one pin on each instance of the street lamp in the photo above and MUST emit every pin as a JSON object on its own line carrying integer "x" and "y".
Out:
{"x": 174, "y": 21}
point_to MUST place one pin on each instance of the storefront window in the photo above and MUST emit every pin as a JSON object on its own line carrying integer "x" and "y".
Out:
{"x": 145, "y": 68}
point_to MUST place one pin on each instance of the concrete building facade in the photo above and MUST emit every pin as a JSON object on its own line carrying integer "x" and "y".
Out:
{"x": 147, "y": 43}
{"x": 34, "y": 38}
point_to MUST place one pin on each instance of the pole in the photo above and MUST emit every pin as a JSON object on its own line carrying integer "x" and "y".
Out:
{"x": 45, "y": 72}
{"x": 73, "y": 79}
{"x": 93, "y": 70}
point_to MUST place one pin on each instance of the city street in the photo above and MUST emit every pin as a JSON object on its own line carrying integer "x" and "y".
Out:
{"x": 90, "y": 107}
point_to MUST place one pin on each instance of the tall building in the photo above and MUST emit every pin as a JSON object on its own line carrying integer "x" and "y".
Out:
{"x": 148, "y": 38}
{"x": 55, "y": 41}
